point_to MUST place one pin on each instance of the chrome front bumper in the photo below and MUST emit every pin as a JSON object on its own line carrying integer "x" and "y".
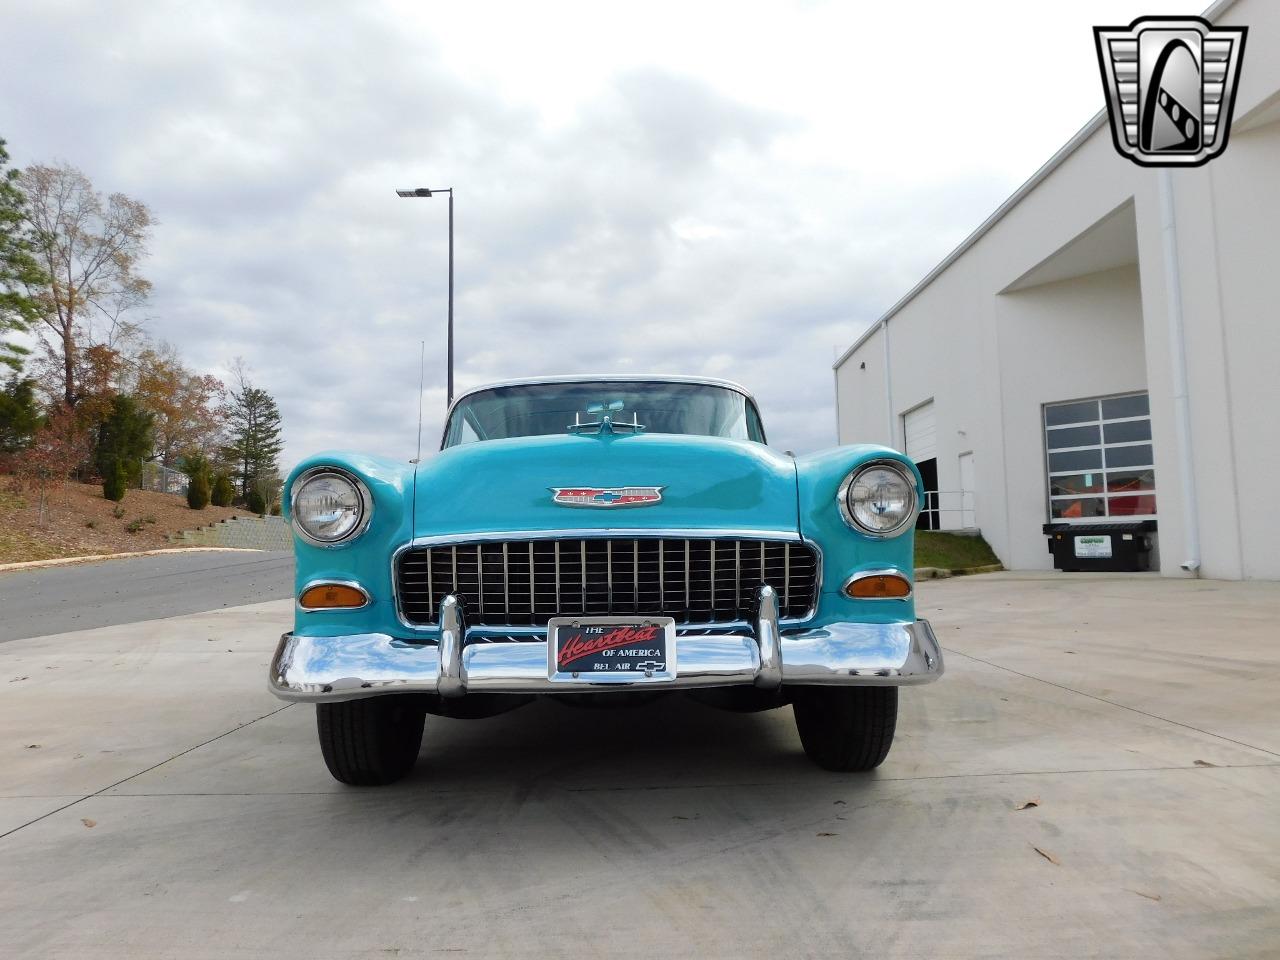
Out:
{"x": 369, "y": 664}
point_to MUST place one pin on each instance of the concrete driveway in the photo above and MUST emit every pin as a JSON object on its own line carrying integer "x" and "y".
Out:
{"x": 159, "y": 803}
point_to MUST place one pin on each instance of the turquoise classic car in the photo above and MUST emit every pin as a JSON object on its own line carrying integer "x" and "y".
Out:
{"x": 604, "y": 539}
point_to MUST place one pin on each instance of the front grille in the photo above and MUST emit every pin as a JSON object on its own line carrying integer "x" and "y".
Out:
{"x": 526, "y": 582}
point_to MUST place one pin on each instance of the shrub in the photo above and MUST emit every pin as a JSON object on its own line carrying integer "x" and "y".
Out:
{"x": 118, "y": 513}
{"x": 198, "y": 492}
{"x": 223, "y": 492}
{"x": 275, "y": 509}
{"x": 133, "y": 526}
{"x": 91, "y": 524}
{"x": 113, "y": 481}
{"x": 256, "y": 502}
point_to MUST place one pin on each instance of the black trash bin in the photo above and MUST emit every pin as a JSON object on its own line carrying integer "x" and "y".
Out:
{"x": 1100, "y": 546}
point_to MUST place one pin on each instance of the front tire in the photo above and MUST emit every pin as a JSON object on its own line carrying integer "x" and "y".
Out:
{"x": 846, "y": 728}
{"x": 371, "y": 742}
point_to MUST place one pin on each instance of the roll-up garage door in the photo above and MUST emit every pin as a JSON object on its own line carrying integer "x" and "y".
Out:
{"x": 921, "y": 433}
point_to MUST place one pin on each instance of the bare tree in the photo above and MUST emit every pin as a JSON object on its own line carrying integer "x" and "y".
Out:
{"x": 89, "y": 247}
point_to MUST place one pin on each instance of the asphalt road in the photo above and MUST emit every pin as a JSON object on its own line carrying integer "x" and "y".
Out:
{"x": 86, "y": 595}
{"x": 156, "y": 801}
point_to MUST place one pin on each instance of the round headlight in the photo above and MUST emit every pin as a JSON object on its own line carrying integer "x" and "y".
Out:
{"x": 879, "y": 498}
{"x": 330, "y": 506}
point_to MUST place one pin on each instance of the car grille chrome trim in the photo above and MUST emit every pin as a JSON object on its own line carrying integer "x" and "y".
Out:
{"x": 524, "y": 581}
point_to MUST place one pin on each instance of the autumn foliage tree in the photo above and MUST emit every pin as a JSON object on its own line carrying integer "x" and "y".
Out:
{"x": 57, "y": 448}
{"x": 187, "y": 406}
{"x": 87, "y": 247}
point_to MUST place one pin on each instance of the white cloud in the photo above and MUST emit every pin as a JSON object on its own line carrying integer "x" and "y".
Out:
{"x": 714, "y": 188}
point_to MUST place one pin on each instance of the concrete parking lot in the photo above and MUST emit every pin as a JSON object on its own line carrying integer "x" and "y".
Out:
{"x": 155, "y": 801}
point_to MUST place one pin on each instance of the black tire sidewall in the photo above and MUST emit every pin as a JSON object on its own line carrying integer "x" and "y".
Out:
{"x": 846, "y": 728}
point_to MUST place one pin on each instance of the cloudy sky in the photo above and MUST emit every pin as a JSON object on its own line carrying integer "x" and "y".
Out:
{"x": 721, "y": 188}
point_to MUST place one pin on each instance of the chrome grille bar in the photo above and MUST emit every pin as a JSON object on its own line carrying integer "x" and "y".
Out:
{"x": 786, "y": 580}
{"x": 717, "y": 580}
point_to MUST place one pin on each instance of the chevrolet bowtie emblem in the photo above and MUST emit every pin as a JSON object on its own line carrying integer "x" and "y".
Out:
{"x": 606, "y": 496}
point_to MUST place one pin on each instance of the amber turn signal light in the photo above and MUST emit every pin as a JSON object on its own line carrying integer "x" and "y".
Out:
{"x": 880, "y": 586}
{"x": 332, "y": 596}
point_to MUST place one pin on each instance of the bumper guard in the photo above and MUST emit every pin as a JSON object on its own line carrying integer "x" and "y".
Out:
{"x": 369, "y": 664}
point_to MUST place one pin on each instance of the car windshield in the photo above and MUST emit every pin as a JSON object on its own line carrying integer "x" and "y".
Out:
{"x": 539, "y": 409}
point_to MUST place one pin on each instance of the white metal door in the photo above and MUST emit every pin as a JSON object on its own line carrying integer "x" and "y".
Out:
{"x": 920, "y": 433}
{"x": 968, "y": 511}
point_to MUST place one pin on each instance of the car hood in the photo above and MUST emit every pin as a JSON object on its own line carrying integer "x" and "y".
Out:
{"x": 506, "y": 485}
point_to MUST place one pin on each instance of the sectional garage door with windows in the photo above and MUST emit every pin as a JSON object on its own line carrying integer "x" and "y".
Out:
{"x": 1099, "y": 458}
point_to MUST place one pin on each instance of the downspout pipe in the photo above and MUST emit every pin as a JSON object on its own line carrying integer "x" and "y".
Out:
{"x": 891, "y": 420}
{"x": 1178, "y": 357}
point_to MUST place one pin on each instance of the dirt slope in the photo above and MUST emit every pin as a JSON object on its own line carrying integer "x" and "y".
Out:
{"x": 79, "y": 521}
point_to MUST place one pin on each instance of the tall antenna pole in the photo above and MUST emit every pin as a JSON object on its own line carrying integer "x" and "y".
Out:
{"x": 422, "y": 366}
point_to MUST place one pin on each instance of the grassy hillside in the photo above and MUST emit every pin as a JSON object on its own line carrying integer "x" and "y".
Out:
{"x": 950, "y": 551}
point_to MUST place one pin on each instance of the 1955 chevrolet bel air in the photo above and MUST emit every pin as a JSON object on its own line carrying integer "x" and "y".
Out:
{"x": 602, "y": 539}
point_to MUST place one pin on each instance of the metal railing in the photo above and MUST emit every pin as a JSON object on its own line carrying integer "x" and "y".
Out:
{"x": 959, "y": 505}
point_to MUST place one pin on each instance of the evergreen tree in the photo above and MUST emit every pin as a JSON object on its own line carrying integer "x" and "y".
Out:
{"x": 113, "y": 481}
{"x": 124, "y": 437}
{"x": 223, "y": 492}
{"x": 196, "y": 466}
{"x": 198, "y": 492}
{"x": 253, "y": 426}
{"x": 19, "y": 415}
{"x": 19, "y": 270}
{"x": 255, "y": 501}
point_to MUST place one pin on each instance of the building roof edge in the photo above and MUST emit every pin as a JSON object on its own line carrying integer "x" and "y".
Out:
{"x": 1066, "y": 150}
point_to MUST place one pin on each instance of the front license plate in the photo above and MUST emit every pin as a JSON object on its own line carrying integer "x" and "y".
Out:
{"x": 611, "y": 649}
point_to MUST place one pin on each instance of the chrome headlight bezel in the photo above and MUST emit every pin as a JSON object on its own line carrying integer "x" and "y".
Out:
{"x": 362, "y": 494}
{"x": 846, "y": 511}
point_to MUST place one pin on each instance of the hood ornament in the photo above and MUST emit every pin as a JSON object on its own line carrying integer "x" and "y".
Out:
{"x": 604, "y": 424}
{"x": 606, "y": 496}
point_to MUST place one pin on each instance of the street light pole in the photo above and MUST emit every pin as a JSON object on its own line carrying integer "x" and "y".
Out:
{"x": 425, "y": 192}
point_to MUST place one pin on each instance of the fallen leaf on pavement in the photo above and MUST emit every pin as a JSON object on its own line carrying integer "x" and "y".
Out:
{"x": 33, "y": 746}
{"x": 1149, "y": 896}
{"x": 841, "y": 802}
{"x": 1205, "y": 763}
{"x": 16, "y": 679}
{"x": 1048, "y": 856}
{"x": 828, "y": 834}
{"x": 1033, "y": 802}
{"x": 89, "y": 823}
{"x": 679, "y": 817}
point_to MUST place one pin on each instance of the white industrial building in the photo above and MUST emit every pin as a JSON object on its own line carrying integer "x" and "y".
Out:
{"x": 1104, "y": 347}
